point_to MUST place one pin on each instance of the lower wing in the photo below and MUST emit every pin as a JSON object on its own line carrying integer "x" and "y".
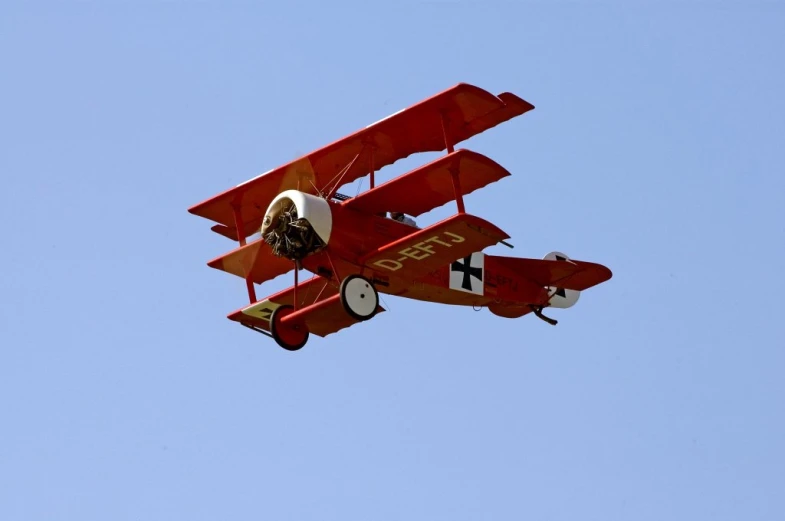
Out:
{"x": 318, "y": 304}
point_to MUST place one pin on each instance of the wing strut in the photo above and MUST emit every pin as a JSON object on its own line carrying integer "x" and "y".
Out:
{"x": 456, "y": 183}
{"x": 371, "y": 167}
{"x": 447, "y": 141}
{"x": 238, "y": 223}
{"x": 253, "y": 327}
{"x": 296, "y": 282}
{"x": 338, "y": 178}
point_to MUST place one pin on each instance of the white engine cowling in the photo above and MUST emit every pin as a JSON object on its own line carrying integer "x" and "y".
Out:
{"x": 309, "y": 207}
{"x": 297, "y": 224}
{"x": 560, "y": 297}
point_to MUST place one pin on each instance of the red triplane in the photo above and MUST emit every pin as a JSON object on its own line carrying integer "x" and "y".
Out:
{"x": 354, "y": 250}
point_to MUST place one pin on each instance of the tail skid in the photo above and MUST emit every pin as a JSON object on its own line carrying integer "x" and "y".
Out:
{"x": 538, "y": 313}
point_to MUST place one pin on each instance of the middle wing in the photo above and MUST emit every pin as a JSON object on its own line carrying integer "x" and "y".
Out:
{"x": 255, "y": 260}
{"x": 430, "y": 186}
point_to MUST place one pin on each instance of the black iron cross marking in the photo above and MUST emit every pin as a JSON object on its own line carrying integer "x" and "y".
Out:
{"x": 468, "y": 272}
{"x": 560, "y": 291}
{"x": 265, "y": 313}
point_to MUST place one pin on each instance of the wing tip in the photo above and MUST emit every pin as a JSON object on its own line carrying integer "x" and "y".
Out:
{"x": 506, "y": 97}
{"x": 226, "y": 231}
{"x": 216, "y": 263}
{"x": 485, "y": 227}
{"x": 494, "y": 165}
{"x": 516, "y": 101}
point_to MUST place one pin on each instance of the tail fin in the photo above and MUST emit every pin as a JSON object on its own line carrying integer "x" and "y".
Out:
{"x": 561, "y": 298}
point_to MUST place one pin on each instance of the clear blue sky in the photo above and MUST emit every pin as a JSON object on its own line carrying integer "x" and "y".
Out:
{"x": 656, "y": 148}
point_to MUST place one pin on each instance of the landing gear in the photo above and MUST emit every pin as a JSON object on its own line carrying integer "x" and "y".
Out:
{"x": 359, "y": 298}
{"x": 289, "y": 336}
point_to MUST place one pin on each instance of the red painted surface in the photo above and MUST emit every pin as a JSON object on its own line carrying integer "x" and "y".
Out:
{"x": 399, "y": 259}
{"x": 469, "y": 109}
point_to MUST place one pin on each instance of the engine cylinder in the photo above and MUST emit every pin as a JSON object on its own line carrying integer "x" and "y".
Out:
{"x": 297, "y": 224}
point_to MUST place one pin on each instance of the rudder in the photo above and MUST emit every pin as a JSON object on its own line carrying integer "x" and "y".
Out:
{"x": 561, "y": 298}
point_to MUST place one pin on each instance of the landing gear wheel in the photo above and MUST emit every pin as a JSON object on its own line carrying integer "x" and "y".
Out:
{"x": 359, "y": 298}
{"x": 290, "y": 336}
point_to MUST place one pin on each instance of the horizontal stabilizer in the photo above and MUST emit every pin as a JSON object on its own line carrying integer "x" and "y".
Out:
{"x": 574, "y": 275}
{"x": 431, "y": 185}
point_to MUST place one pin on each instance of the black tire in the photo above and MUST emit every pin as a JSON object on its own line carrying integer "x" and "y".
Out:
{"x": 283, "y": 338}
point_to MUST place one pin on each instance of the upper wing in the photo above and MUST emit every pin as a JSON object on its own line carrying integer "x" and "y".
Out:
{"x": 468, "y": 110}
{"x": 430, "y": 186}
{"x": 318, "y": 304}
{"x": 434, "y": 247}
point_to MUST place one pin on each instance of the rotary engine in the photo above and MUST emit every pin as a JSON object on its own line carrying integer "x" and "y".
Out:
{"x": 291, "y": 236}
{"x": 297, "y": 224}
